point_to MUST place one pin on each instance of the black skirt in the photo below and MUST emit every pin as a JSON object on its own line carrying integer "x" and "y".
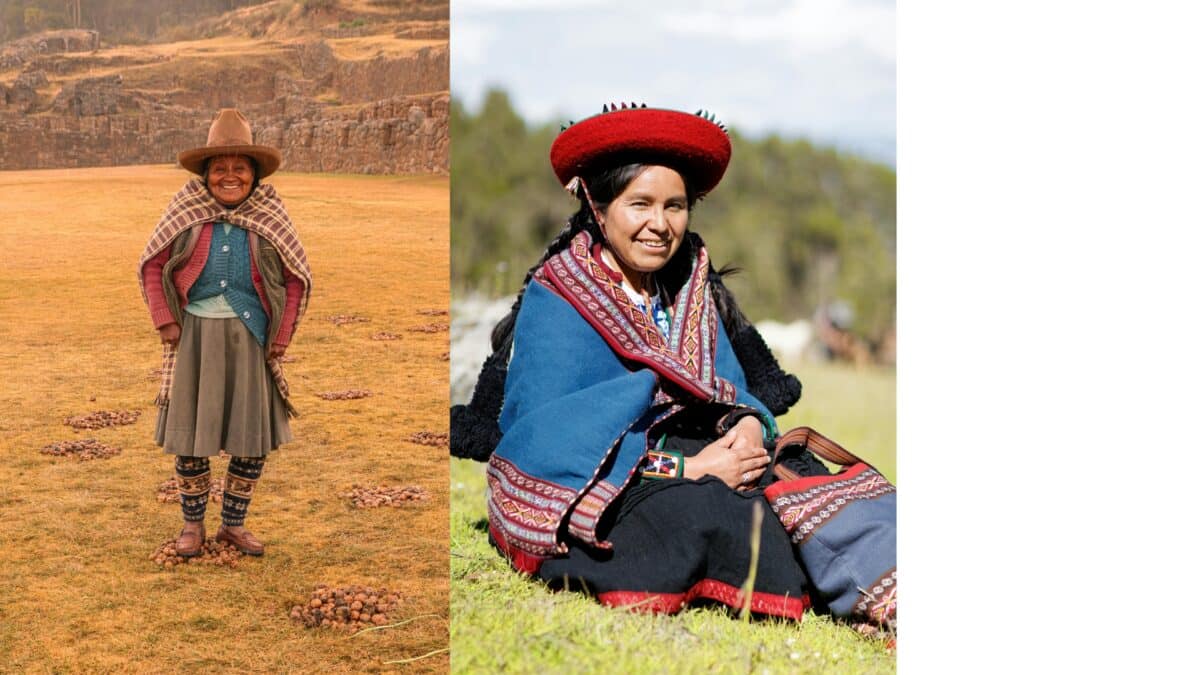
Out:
{"x": 676, "y": 541}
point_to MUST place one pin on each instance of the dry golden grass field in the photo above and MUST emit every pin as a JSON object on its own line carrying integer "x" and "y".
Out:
{"x": 79, "y": 592}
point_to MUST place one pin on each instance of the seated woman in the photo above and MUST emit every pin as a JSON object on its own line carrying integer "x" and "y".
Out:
{"x": 630, "y": 450}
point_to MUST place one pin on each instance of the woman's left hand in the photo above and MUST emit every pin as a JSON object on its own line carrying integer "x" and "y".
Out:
{"x": 749, "y": 430}
{"x": 276, "y": 352}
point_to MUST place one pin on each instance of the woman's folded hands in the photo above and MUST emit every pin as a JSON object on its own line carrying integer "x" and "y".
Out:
{"x": 738, "y": 458}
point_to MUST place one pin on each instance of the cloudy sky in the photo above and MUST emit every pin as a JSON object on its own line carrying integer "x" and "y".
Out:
{"x": 822, "y": 69}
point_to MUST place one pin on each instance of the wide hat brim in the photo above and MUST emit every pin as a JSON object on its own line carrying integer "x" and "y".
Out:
{"x": 268, "y": 158}
{"x": 687, "y": 143}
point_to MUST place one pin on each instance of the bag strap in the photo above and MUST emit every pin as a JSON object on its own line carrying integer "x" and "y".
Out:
{"x": 817, "y": 444}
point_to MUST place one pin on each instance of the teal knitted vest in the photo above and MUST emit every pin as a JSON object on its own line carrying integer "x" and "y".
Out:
{"x": 227, "y": 272}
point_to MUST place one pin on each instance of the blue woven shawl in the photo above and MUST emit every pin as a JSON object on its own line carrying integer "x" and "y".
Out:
{"x": 588, "y": 379}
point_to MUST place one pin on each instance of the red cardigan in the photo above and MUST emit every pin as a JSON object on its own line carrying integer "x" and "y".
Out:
{"x": 185, "y": 275}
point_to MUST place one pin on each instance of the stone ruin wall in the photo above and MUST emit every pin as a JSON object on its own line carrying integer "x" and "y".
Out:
{"x": 405, "y": 134}
{"x": 379, "y": 116}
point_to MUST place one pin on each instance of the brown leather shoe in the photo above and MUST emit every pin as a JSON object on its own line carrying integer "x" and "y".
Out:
{"x": 242, "y": 541}
{"x": 190, "y": 540}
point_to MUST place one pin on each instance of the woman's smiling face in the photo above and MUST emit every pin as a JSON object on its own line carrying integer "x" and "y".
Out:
{"x": 645, "y": 224}
{"x": 230, "y": 178}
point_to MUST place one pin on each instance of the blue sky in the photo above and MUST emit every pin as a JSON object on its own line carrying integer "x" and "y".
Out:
{"x": 821, "y": 69}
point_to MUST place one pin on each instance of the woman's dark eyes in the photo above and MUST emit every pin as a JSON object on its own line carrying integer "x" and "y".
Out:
{"x": 641, "y": 204}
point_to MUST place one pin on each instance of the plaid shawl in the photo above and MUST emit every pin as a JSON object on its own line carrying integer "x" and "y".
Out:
{"x": 262, "y": 213}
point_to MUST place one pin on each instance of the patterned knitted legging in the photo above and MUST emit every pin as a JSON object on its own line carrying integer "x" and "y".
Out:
{"x": 194, "y": 478}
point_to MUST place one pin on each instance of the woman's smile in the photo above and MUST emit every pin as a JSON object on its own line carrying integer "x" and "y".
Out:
{"x": 230, "y": 178}
{"x": 644, "y": 225}
{"x": 655, "y": 244}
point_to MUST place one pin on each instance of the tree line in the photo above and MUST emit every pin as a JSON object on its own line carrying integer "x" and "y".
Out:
{"x": 808, "y": 226}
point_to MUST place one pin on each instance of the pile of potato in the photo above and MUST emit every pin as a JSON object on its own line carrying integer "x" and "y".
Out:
{"x": 348, "y": 608}
{"x": 213, "y": 552}
{"x": 83, "y": 450}
{"x": 168, "y": 491}
{"x": 103, "y": 418}
{"x": 431, "y": 439}
{"x": 344, "y": 395}
{"x": 429, "y": 328}
{"x": 365, "y": 497}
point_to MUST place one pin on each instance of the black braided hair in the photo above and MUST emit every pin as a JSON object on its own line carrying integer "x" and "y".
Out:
{"x": 474, "y": 432}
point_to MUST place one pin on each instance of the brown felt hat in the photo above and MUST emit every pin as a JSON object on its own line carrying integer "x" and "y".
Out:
{"x": 230, "y": 135}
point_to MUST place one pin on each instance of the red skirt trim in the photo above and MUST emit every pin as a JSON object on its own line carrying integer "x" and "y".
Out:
{"x": 670, "y": 603}
{"x": 522, "y": 561}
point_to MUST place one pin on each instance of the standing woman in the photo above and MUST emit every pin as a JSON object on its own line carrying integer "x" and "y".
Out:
{"x": 635, "y": 408}
{"x": 226, "y": 281}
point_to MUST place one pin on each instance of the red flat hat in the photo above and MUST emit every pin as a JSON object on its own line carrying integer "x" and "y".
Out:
{"x": 692, "y": 144}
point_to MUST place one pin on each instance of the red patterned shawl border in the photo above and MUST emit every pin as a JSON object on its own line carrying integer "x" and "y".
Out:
{"x": 586, "y": 514}
{"x": 878, "y": 603}
{"x": 533, "y": 540}
{"x": 521, "y": 560}
{"x": 527, "y": 510}
{"x": 805, "y": 504}
{"x": 687, "y": 360}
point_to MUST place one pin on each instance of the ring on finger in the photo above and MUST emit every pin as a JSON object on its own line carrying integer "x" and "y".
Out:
{"x": 746, "y": 477}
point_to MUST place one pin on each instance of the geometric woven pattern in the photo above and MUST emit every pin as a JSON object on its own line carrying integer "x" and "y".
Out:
{"x": 843, "y": 529}
{"x": 586, "y": 515}
{"x": 663, "y": 465}
{"x": 803, "y": 506}
{"x": 526, "y": 509}
{"x": 878, "y": 604}
{"x": 240, "y": 479}
{"x": 193, "y": 476}
{"x": 687, "y": 358}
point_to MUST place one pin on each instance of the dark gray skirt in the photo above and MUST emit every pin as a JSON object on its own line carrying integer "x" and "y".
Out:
{"x": 223, "y": 396}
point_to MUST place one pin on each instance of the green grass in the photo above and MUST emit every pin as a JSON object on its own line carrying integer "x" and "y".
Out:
{"x": 856, "y": 408}
{"x": 504, "y": 622}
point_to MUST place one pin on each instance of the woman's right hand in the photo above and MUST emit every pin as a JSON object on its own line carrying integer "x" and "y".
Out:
{"x": 169, "y": 334}
{"x": 729, "y": 458}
